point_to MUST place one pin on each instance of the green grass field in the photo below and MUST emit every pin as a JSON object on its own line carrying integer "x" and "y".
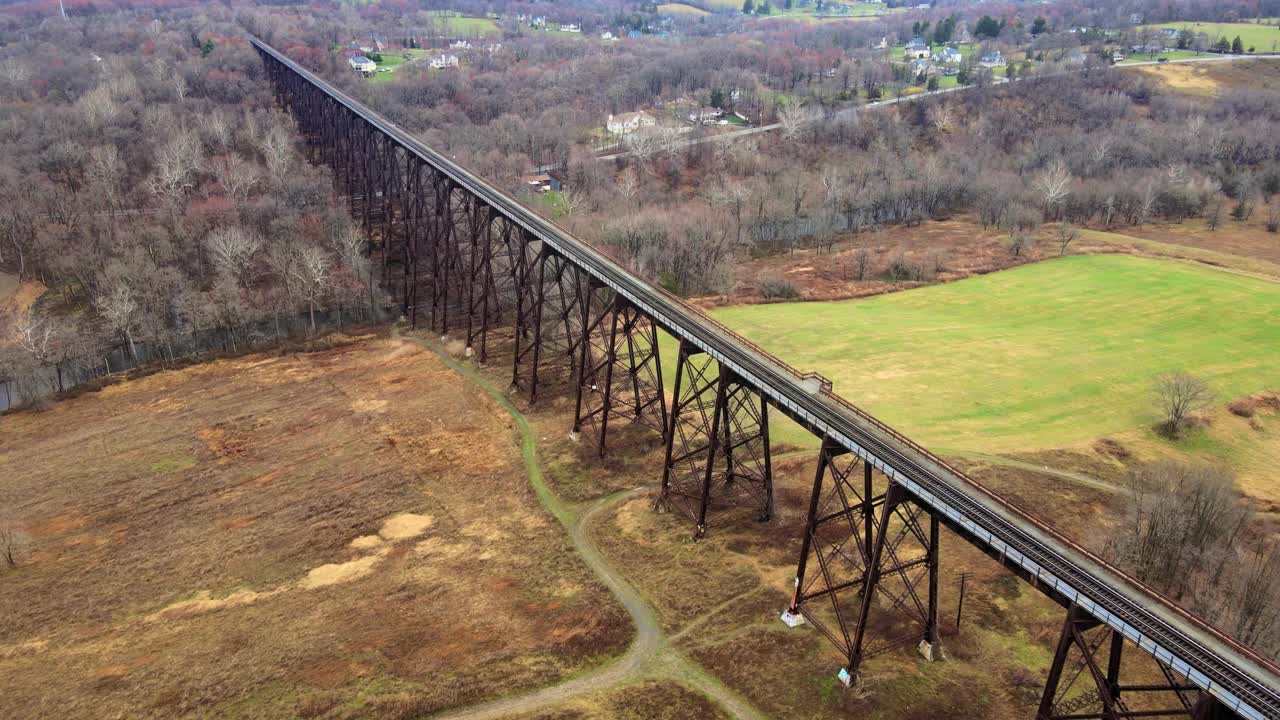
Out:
{"x": 451, "y": 22}
{"x": 1167, "y": 54}
{"x": 681, "y": 9}
{"x": 1263, "y": 38}
{"x": 1046, "y": 355}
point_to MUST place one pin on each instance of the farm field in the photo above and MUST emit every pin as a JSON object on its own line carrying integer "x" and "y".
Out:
{"x": 453, "y": 23}
{"x": 681, "y": 8}
{"x": 322, "y": 534}
{"x": 1047, "y": 355}
{"x": 1263, "y": 38}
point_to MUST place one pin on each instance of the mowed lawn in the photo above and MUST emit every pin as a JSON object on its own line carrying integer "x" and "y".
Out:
{"x": 1047, "y": 355}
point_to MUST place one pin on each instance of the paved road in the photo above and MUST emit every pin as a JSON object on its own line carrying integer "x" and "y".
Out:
{"x": 650, "y": 655}
{"x": 853, "y": 111}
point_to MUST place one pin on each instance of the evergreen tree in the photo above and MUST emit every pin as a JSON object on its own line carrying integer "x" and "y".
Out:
{"x": 748, "y": 7}
{"x": 1039, "y": 26}
{"x": 987, "y": 27}
{"x": 1237, "y": 46}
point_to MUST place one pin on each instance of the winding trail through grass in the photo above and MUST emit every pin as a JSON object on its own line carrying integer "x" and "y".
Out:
{"x": 649, "y": 656}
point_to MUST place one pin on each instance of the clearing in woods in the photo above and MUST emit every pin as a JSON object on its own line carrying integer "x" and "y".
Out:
{"x": 346, "y": 532}
{"x": 1042, "y": 356}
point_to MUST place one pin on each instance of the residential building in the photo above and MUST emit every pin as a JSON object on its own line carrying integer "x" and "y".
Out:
{"x": 706, "y": 115}
{"x": 991, "y": 59}
{"x": 362, "y": 64}
{"x": 444, "y": 61}
{"x": 558, "y": 179}
{"x": 540, "y": 182}
{"x": 627, "y": 123}
{"x": 918, "y": 49}
{"x": 950, "y": 56}
{"x": 572, "y": 27}
{"x": 460, "y": 45}
{"x": 923, "y": 67}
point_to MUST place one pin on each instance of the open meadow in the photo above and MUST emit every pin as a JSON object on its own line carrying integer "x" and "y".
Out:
{"x": 329, "y": 534}
{"x": 1263, "y": 38}
{"x": 1047, "y": 355}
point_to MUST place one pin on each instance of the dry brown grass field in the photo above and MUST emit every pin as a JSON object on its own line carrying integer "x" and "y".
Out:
{"x": 343, "y": 533}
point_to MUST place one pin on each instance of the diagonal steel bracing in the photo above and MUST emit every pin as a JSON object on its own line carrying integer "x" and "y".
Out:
{"x": 717, "y": 457}
{"x": 1086, "y": 679}
{"x": 621, "y": 378}
{"x": 860, "y": 544}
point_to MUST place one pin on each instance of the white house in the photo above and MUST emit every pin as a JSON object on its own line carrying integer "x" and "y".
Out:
{"x": 950, "y": 56}
{"x": 460, "y": 45}
{"x": 362, "y": 64}
{"x": 705, "y": 115}
{"x": 991, "y": 59}
{"x": 444, "y": 61}
{"x": 627, "y": 123}
{"x": 882, "y": 45}
{"x": 606, "y": 35}
{"x": 571, "y": 28}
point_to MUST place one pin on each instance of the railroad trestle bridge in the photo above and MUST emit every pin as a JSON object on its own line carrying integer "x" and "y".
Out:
{"x": 469, "y": 262}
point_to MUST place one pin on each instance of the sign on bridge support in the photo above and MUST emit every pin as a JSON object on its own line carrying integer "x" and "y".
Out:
{"x": 621, "y": 375}
{"x": 717, "y": 458}
{"x": 859, "y": 544}
{"x": 1081, "y": 686}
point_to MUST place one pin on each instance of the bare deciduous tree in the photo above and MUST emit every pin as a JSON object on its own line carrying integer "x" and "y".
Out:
{"x": 313, "y": 273}
{"x": 277, "y": 154}
{"x": 1066, "y": 235}
{"x": 628, "y": 185}
{"x": 175, "y": 171}
{"x": 119, "y": 308}
{"x": 796, "y": 120}
{"x": 237, "y": 176}
{"x": 1053, "y": 185}
{"x": 1184, "y": 521}
{"x": 1179, "y": 394}
{"x": 1020, "y": 242}
{"x": 232, "y": 249}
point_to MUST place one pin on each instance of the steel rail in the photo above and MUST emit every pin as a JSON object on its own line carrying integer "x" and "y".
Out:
{"x": 1240, "y": 678}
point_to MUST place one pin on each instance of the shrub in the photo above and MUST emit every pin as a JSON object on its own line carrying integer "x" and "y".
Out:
{"x": 775, "y": 287}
